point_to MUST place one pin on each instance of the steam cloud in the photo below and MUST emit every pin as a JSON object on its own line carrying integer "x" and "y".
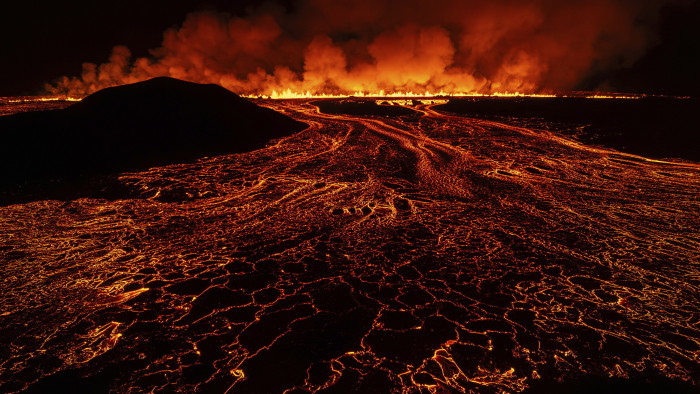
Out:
{"x": 391, "y": 45}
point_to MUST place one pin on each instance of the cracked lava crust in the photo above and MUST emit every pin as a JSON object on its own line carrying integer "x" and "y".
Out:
{"x": 422, "y": 252}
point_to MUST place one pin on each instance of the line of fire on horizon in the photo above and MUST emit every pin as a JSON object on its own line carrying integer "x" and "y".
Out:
{"x": 289, "y": 94}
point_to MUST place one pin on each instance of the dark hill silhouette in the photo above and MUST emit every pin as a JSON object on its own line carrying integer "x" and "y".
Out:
{"x": 156, "y": 122}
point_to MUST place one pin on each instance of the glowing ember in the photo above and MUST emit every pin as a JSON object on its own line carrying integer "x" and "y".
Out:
{"x": 33, "y": 99}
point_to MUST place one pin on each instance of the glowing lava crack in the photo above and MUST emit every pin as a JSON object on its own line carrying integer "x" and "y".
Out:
{"x": 417, "y": 253}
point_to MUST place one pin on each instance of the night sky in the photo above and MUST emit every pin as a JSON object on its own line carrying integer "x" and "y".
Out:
{"x": 42, "y": 41}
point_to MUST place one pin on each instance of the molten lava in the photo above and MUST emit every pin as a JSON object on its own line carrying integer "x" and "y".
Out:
{"x": 422, "y": 252}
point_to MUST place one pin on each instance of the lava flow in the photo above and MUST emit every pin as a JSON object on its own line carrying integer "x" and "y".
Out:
{"x": 419, "y": 252}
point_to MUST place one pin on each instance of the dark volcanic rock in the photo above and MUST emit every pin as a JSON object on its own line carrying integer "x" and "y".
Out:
{"x": 131, "y": 127}
{"x": 660, "y": 127}
{"x": 362, "y": 108}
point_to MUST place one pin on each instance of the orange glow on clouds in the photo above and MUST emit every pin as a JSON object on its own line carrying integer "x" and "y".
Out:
{"x": 390, "y": 47}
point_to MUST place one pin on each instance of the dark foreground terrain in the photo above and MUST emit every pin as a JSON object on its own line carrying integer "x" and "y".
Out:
{"x": 420, "y": 253}
{"x": 126, "y": 128}
{"x": 660, "y": 127}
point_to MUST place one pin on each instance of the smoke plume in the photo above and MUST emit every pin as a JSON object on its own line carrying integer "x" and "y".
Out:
{"x": 334, "y": 47}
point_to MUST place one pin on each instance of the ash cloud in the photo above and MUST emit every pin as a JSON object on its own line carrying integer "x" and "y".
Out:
{"x": 371, "y": 45}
